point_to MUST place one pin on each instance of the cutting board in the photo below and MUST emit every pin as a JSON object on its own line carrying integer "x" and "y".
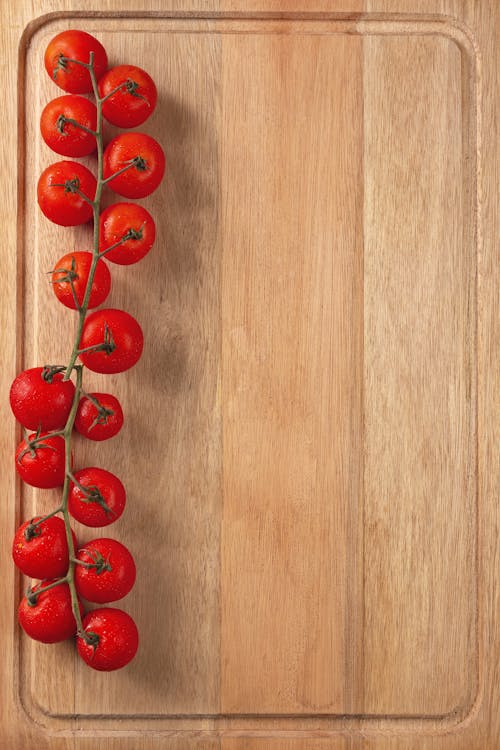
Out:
{"x": 308, "y": 449}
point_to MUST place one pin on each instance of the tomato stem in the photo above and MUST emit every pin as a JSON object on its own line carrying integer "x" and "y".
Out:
{"x": 49, "y": 371}
{"x": 32, "y": 596}
{"x": 96, "y": 214}
{"x": 63, "y": 60}
{"x": 70, "y": 576}
{"x": 113, "y": 91}
{"x": 138, "y": 162}
{"x": 69, "y": 276}
{"x": 92, "y": 494}
{"x": 130, "y": 234}
{"x": 31, "y": 529}
{"x": 38, "y": 442}
{"x": 62, "y": 120}
{"x": 107, "y": 344}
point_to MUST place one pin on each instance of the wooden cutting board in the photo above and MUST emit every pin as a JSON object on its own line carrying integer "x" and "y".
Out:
{"x": 309, "y": 448}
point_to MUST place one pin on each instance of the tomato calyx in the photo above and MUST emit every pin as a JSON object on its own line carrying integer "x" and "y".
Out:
{"x": 100, "y": 563}
{"x": 49, "y": 371}
{"x": 32, "y": 594}
{"x": 62, "y": 64}
{"x": 60, "y": 123}
{"x": 62, "y": 120}
{"x": 108, "y": 346}
{"x": 138, "y": 162}
{"x": 32, "y": 530}
{"x": 131, "y": 87}
{"x": 32, "y": 444}
{"x": 102, "y": 416}
{"x": 90, "y": 638}
{"x": 70, "y": 274}
{"x": 73, "y": 187}
{"x": 91, "y": 493}
{"x": 134, "y": 234}
{"x": 31, "y": 597}
{"x": 103, "y": 412}
{"x": 130, "y": 234}
{"x": 70, "y": 186}
{"x": 95, "y": 496}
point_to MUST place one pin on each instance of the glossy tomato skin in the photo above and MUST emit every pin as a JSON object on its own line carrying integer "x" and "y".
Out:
{"x": 99, "y": 424}
{"x": 119, "y": 219}
{"x": 134, "y": 102}
{"x": 75, "y": 45}
{"x": 44, "y": 555}
{"x": 126, "y": 335}
{"x": 50, "y": 619}
{"x": 40, "y": 403}
{"x": 147, "y": 160}
{"x": 77, "y": 266}
{"x": 63, "y": 137}
{"x": 45, "y": 468}
{"x": 112, "y": 579}
{"x": 117, "y": 639}
{"x": 90, "y": 512}
{"x": 56, "y": 196}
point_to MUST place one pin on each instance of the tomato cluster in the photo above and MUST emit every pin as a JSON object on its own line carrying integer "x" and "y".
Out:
{"x": 45, "y": 400}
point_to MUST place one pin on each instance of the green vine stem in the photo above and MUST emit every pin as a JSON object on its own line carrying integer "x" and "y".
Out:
{"x": 96, "y": 213}
{"x": 82, "y": 309}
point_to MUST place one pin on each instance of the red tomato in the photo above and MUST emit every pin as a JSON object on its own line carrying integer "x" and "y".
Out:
{"x": 118, "y": 334}
{"x": 112, "y": 575}
{"x": 75, "y": 267}
{"x": 99, "y": 421}
{"x": 42, "y": 551}
{"x": 63, "y": 136}
{"x": 135, "y": 99}
{"x": 59, "y": 193}
{"x": 49, "y": 618}
{"x": 74, "y": 45}
{"x": 42, "y": 465}
{"x": 114, "y": 639}
{"x": 106, "y": 501}
{"x": 40, "y": 399}
{"x": 143, "y": 162}
{"x": 126, "y": 220}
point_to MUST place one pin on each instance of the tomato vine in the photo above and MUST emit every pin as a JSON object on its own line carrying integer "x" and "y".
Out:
{"x": 46, "y": 399}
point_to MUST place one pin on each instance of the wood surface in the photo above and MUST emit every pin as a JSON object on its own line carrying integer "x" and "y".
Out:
{"x": 310, "y": 447}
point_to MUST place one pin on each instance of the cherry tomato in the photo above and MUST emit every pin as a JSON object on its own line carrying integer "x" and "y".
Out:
{"x": 41, "y": 465}
{"x": 143, "y": 159}
{"x": 74, "y": 45}
{"x": 40, "y": 399}
{"x": 135, "y": 99}
{"x": 59, "y": 193}
{"x": 99, "y": 421}
{"x": 119, "y": 337}
{"x": 48, "y": 616}
{"x": 61, "y": 135}
{"x": 75, "y": 267}
{"x": 104, "y": 499}
{"x": 114, "y": 639}
{"x": 121, "y": 220}
{"x": 41, "y": 551}
{"x": 112, "y": 575}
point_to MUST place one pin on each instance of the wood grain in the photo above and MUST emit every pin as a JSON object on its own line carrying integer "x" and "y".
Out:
{"x": 291, "y": 374}
{"x": 419, "y": 394}
{"x": 317, "y": 393}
